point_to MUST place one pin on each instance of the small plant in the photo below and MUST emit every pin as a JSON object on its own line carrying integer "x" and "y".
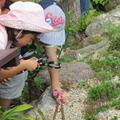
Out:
{"x": 83, "y": 84}
{"x": 85, "y": 19}
{"x": 114, "y": 36}
{"x": 107, "y": 66}
{"x": 99, "y": 4}
{"x": 92, "y": 115}
{"x": 102, "y": 2}
{"x": 18, "y": 113}
{"x": 64, "y": 58}
{"x": 116, "y": 104}
{"x": 106, "y": 91}
{"x": 115, "y": 118}
{"x": 37, "y": 82}
{"x": 70, "y": 29}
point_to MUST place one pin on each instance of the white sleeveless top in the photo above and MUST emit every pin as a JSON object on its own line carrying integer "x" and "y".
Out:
{"x": 3, "y": 38}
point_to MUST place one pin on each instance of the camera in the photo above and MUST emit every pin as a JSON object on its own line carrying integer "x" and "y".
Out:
{"x": 43, "y": 59}
{"x": 31, "y": 54}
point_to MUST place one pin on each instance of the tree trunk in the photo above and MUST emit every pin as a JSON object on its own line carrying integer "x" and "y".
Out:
{"x": 73, "y": 6}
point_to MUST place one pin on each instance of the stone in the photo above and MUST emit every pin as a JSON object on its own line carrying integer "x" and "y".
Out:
{"x": 69, "y": 73}
{"x": 98, "y": 25}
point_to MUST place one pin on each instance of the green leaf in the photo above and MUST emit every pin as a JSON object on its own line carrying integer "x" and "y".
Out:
{"x": 23, "y": 107}
{"x": 41, "y": 113}
{"x": 30, "y": 118}
{"x": 20, "y": 108}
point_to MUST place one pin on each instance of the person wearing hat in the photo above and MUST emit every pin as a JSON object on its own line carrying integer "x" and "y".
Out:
{"x": 19, "y": 27}
{"x": 54, "y": 16}
{"x": 53, "y": 73}
{"x": 4, "y": 8}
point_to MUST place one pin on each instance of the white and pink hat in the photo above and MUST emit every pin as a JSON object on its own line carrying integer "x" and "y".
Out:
{"x": 26, "y": 16}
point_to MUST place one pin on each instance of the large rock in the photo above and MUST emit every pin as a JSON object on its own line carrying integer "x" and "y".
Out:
{"x": 72, "y": 6}
{"x": 98, "y": 25}
{"x": 109, "y": 115}
{"x": 91, "y": 40}
{"x": 81, "y": 53}
{"x": 70, "y": 72}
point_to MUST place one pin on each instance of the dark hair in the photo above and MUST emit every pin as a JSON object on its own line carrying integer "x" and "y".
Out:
{"x": 7, "y": 4}
{"x": 12, "y": 37}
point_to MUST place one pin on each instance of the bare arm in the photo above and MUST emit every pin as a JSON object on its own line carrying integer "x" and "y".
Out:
{"x": 9, "y": 73}
{"x": 60, "y": 95}
{"x": 54, "y": 73}
{"x": 29, "y": 65}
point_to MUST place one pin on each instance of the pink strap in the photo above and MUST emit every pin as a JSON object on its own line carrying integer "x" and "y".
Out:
{"x": 9, "y": 44}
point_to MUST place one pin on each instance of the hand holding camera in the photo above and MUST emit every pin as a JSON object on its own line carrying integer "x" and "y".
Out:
{"x": 51, "y": 64}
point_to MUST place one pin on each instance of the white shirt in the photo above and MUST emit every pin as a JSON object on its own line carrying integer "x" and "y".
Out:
{"x": 3, "y": 43}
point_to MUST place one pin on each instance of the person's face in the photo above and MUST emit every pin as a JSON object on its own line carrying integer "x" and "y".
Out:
{"x": 27, "y": 39}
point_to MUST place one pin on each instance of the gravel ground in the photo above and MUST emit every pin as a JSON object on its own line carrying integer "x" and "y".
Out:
{"x": 77, "y": 104}
{"x": 73, "y": 111}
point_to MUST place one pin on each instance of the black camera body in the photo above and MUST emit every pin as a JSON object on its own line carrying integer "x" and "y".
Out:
{"x": 43, "y": 59}
{"x": 29, "y": 55}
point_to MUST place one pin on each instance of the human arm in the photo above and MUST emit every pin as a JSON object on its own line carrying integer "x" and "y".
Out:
{"x": 50, "y": 51}
{"x": 58, "y": 93}
{"x": 54, "y": 75}
{"x": 30, "y": 65}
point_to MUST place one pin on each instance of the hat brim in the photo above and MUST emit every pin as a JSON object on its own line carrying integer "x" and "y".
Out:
{"x": 53, "y": 38}
{"x": 24, "y": 25}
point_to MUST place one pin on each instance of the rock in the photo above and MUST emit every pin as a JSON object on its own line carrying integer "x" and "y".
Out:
{"x": 98, "y": 25}
{"x": 81, "y": 53}
{"x": 90, "y": 40}
{"x": 109, "y": 114}
{"x": 70, "y": 72}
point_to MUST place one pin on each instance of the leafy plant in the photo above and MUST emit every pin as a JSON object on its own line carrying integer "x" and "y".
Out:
{"x": 18, "y": 113}
{"x": 83, "y": 84}
{"x": 116, "y": 104}
{"x": 99, "y": 4}
{"x": 70, "y": 30}
{"x": 85, "y": 19}
{"x": 37, "y": 82}
{"x": 114, "y": 36}
{"x": 102, "y": 2}
{"x": 106, "y": 65}
{"x": 114, "y": 118}
{"x": 92, "y": 116}
{"x": 106, "y": 91}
